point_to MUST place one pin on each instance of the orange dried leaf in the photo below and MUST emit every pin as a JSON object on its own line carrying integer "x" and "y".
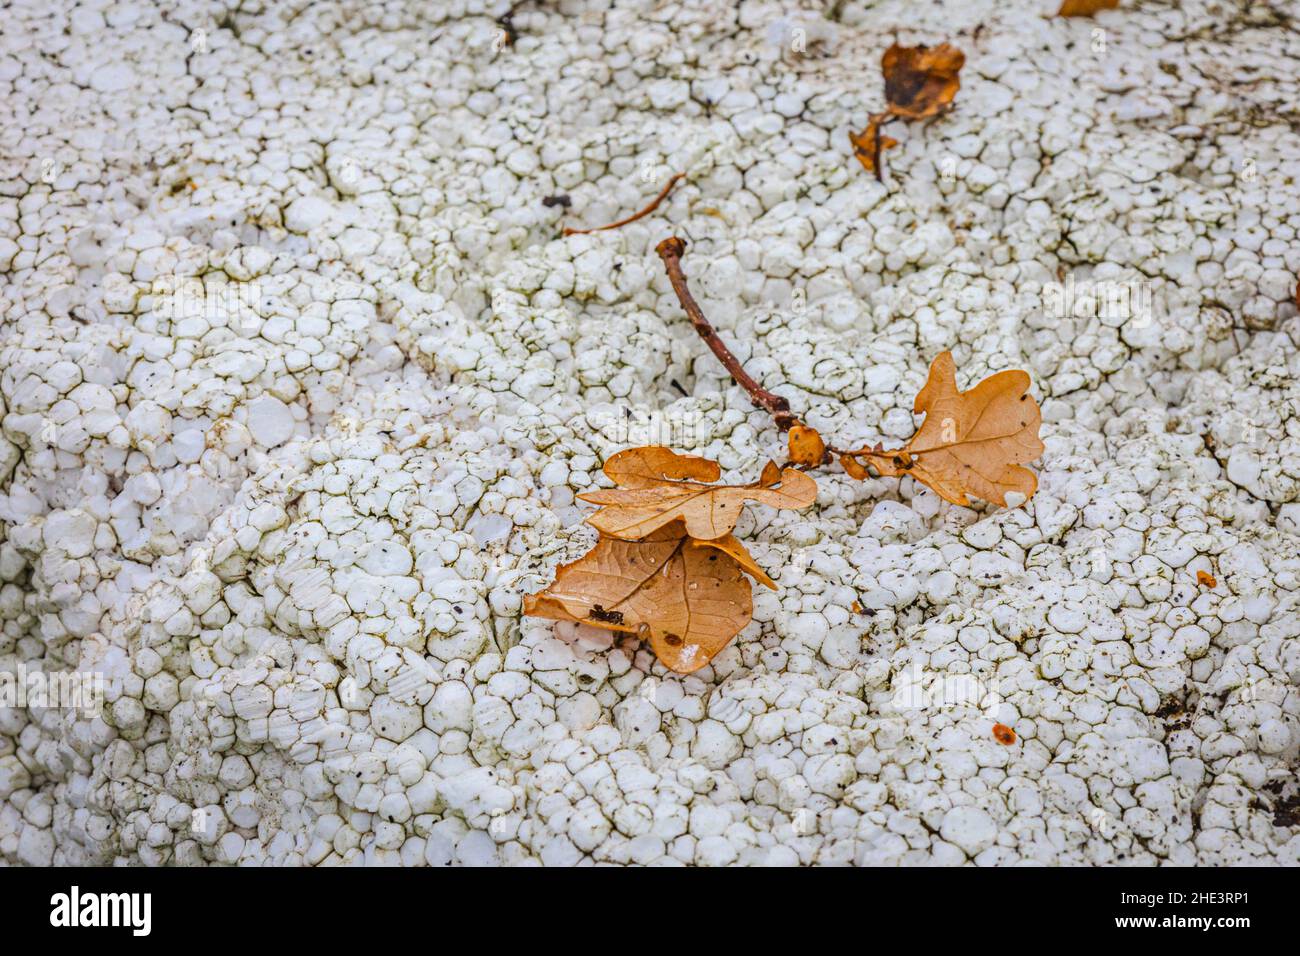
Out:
{"x": 1085, "y": 8}
{"x": 806, "y": 446}
{"x": 660, "y": 486}
{"x": 855, "y": 468}
{"x": 690, "y": 598}
{"x": 1004, "y": 734}
{"x": 1207, "y": 579}
{"x": 870, "y": 143}
{"x": 971, "y": 443}
{"x": 650, "y": 466}
{"x": 921, "y": 81}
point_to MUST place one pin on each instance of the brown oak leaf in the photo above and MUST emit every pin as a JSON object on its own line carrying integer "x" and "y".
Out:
{"x": 688, "y": 598}
{"x": 971, "y": 443}
{"x": 659, "y": 486}
{"x": 920, "y": 82}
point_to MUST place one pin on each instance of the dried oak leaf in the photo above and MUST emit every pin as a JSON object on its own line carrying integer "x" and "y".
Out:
{"x": 971, "y": 443}
{"x": 659, "y": 486}
{"x": 688, "y": 597}
{"x": 921, "y": 81}
{"x": 1085, "y": 8}
{"x": 806, "y": 446}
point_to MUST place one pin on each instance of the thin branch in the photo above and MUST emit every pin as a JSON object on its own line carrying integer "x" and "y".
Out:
{"x": 671, "y": 251}
{"x": 894, "y": 462}
{"x": 654, "y": 204}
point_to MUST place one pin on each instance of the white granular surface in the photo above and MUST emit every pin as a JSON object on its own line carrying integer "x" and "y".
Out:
{"x": 299, "y": 380}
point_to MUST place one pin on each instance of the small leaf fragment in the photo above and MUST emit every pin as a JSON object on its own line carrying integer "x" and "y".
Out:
{"x": 806, "y": 446}
{"x": 870, "y": 143}
{"x": 1206, "y": 579}
{"x": 854, "y": 468}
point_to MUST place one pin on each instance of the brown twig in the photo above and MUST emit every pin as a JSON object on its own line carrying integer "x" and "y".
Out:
{"x": 671, "y": 251}
{"x": 654, "y": 204}
{"x": 894, "y": 462}
{"x": 875, "y": 147}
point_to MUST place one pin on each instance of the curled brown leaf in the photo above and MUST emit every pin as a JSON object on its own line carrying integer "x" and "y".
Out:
{"x": 660, "y": 487}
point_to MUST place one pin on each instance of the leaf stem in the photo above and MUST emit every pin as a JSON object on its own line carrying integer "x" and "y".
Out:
{"x": 654, "y": 204}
